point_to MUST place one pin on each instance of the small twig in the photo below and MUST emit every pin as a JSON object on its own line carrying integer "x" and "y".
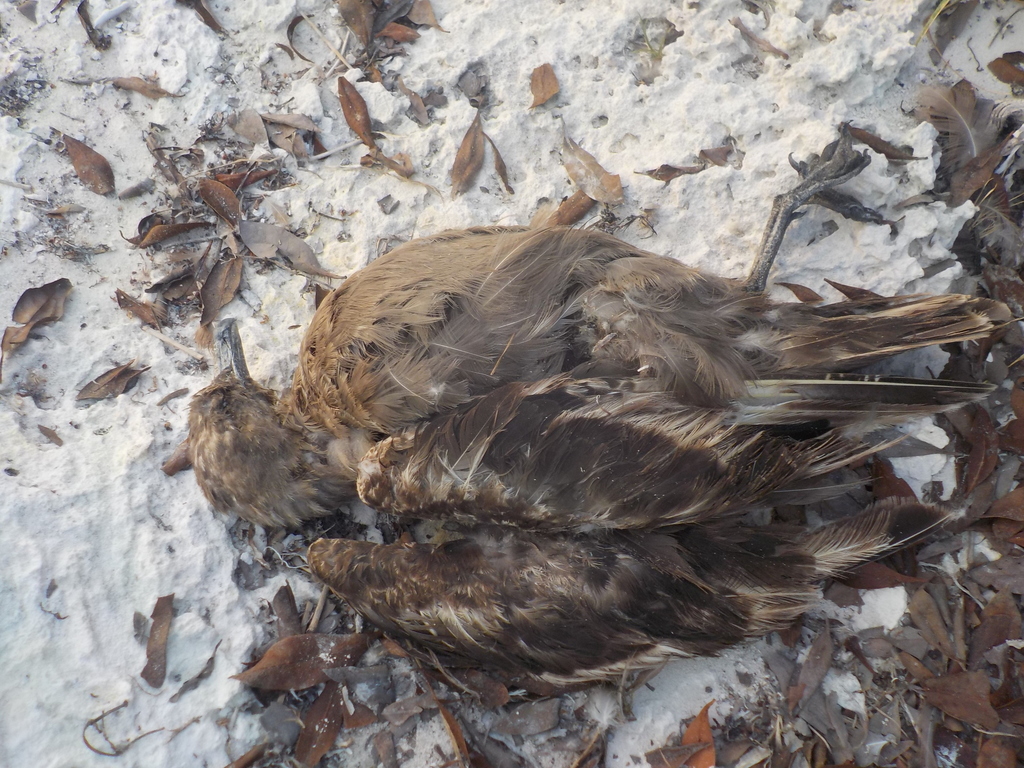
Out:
{"x": 16, "y": 185}
{"x": 172, "y": 343}
{"x": 315, "y": 620}
{"x": 336, "y": 150}
{"x": 175, "y": 394}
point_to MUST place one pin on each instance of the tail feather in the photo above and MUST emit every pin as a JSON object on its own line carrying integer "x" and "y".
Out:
{"x": 852, "y": 399}
{"x": 852, "y": 334}
{"x": 884, "y": 527}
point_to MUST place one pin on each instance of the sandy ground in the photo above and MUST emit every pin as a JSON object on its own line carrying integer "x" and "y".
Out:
{"x": 94, "y": 532}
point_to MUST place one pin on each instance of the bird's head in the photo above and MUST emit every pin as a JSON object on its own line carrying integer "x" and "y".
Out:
{"x": 247, "y": 459}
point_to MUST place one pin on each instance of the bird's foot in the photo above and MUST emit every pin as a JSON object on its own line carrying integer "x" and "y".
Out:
{"x": 838, "y": 163}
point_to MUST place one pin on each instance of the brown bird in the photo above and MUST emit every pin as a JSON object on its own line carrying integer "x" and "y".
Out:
{"x": 571, "y": 607}
{"x": 586, "y": 392}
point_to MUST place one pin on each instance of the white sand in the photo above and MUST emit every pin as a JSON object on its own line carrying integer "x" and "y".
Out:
{"x": 94, "y": 532}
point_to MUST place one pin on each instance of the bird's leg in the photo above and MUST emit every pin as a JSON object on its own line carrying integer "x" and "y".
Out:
{"x": 230, "y": 354}
{"x": 839, "y": 162}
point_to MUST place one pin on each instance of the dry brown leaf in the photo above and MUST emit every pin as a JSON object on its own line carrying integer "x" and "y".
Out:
{"x": 298, "y": 662}
{"x": 878, "y": 576}
{"x": 499, "y": 166}
{"x": 852, "y": 292}
{"x": 399, "y": 32}
{"x": 358, "y": 15}
{"x": 984, "y": 454}
{"x": 673, "y": 757}
{"x": 360, "y": 716}
{"x": 51, "y": 435}
{"x": 249, "y": 125}
{"x": 422, "y": 12}
{"x": 699, "y": 732}
{"x": 156, "y": 648}
{"x": 144, "y": 87}
{"x": 201, "y": 8}
{"x": 97, "y": 38}
{"x": 668, "y": 172}
{"x": 42, "y": 304}
{"x": 886, "y": 485}
{"x": 399, "y": 711}
{"x": 1005, "y": 573}
{"x": 416, "y": 104}
{"x": 756, "y": 42}
{"x": 491, "y": 693}
{"x": 160, "y": 232}
{"x": 587, "y": 174}
{"x": 716, "y": 155}
{"x": 92, "y": 167}
{"x": 997, "y": 752}
{"x": 287, "y": 138}
{"x": 572, "y": 209}
{"x": 812, "y": 671}
{"x": 543, "y": 84}
{"x": 974, "y": 175}
{"x": 926, "y": 617}
{"x": 271, "y": 242}
{"x": 964, "y": 696}
{"x": 353, "y": 106}
{"x": 529, "y": 719}
{"x": 220, "y": 288}
{"x": 235, "y": 181}
{"x": 294, "y": 120}
{"x": 1007, "y": 68}
{"x": 1011, "y": 506}
{"x": 321, "y": 725}
{"x": 469, "y": 159}
{"x": 458, "y": 739}
{"x": 1017, "y": 398}
{"x": 148, "y": 313}
{"x": 1000, "y": 621}
{"x": 179, "y": 461}
{"x": 880, "y": 145}
{"x": 384, "y": 743}
{"x": 288, "y": 621}
{"x": 221, "y": 199}
{"x": 113, "y": 383}
{"x": 802, "y": 293}
{"x": 291, "y": 47}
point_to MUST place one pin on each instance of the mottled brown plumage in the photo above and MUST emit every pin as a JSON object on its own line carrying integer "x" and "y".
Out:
{"x": 574, "y": 607}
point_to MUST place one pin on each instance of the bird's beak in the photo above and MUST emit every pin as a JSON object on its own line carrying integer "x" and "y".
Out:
{"x": 229, "y": 351}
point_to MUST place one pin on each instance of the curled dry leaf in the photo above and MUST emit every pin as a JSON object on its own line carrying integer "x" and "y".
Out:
{"x": 422, "y": 12}
{"x": 668, "y": 172}
{"x": 529, "y": 719}
{"x": 92, "y": 167}
{"x": 179, "y": 461}
{"x": 716, "y": 155}
{"x": 34, "y": 307}
{"x": 812, "y": 671}
{"x": 699, "y": 732}
{"x": 97, "y": 38}
{"x": 271, "y": 242}
{"x": 235, "y": 181}
{"x": 150, "y": 314}
{"x": 249, "y": 125}
{"x": 880, "y": 145}
{"x": 112, "y": 383}
{"x": 399, "y": 32}
{"x": 852, "y": 292}
{"x": 144, "y": 87}
{"x": 201, "y": 8}
{"x": 220, "y": 288}
{"x": 298, "y": 662}
{"x": 291, "y": 47}
{"x": 886, "y": 485}
{"x": 416, "y": 104}
{"x": 51, "y": 435}
{"x": 756, "y": 42}
{"x": 1008, "y": 68}
{"x": 572, "y": 209}
{"x": 587, "y": 174}
{"x": 1000, "y": 621}
{"x": 144, "y": 187}
{"x": 963, "y": 696}
{"x": 288, "y": 621}
{"x": 321, "y": 725}
{"x": 499, "y": 166}
{"x": 469, "y": 159}
{"x": 543, "y": 84}
{"x": 353, "y": 106}
{"x": 984, "y": 454}
{"x": 359, "y": 15}
{"x": 156, "y": 648}
{"x": 802, "y": 293}
{"x": 222, "y": 200}
{"x": 160, "y": 232}
{"x": 42, "y": 304}
{"x": 924, "y": 612}
{"x": 291, "y": 119}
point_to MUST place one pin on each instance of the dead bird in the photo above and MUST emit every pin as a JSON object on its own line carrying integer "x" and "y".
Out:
{"x": 440, "y": 321}
{"x": 571, "y": 608}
